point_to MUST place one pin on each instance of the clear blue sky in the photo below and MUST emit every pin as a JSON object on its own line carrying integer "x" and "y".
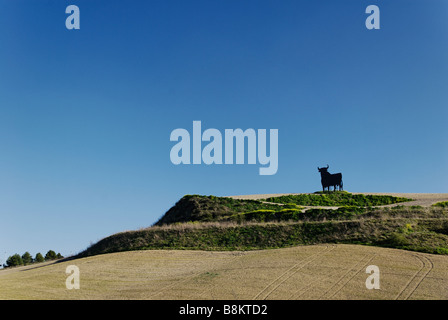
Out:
{"x": 86, "y": 115}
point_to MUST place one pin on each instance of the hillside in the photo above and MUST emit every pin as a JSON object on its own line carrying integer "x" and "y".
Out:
{"x": 319, "y": 246}
{"x": 226, "y": 223}
{"x": 191, "y": 208}
{"x": 304, "y": 272}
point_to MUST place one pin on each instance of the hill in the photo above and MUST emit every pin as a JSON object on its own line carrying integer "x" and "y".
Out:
{"x": 331, "y": 271}
{"x": 319, "y": 248}
{"x": 227, "y": 223}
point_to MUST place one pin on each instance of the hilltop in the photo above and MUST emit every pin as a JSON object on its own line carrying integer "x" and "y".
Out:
{"x": 276, "y": 221}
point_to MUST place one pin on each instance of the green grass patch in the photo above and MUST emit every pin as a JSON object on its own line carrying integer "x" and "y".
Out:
{"x": 338, "y": 199}
{"x": 443, "y": 204}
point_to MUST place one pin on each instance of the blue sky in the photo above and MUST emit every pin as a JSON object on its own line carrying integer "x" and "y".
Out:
{"x": 86, "y": 115}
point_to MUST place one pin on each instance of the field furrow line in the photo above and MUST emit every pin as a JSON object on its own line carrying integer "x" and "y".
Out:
{"x": 298, "y": 293}
{"x": 181, "y": 281}
{"x": 276, "y": 279}
{"x": 355, "y": 268}
{"x": 420, "y": 274}
{"x": 269, "y": 289}
{"x": 178, "y": 282}
{"x": 428, "y": 266}
{"x": 343, "y": 276}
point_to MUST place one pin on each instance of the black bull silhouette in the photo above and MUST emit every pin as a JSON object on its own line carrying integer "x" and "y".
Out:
{"x": 330, "y": 180}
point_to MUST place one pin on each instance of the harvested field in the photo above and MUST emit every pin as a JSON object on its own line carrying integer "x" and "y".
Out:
{"x": 305, "y": 272}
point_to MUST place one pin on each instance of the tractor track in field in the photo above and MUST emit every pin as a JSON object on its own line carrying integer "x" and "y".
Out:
{"x": 185, "y": 280}
{"x": 348, "y": 276}
{"x": 414, "y": 282}
{"x": 277, "y": 282}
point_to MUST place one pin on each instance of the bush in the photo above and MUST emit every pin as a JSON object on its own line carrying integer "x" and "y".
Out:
{"x": 289, "y": 214}
{"x": 51, "y": 255}
{"x": 39, "y": 257}
{"x": 442, "y": 250}
{"x": 14, "y": 260}
{"x": 259, "y": 215}
{"x": 27, "y": 258}
{"x": 291, "y": 206}
{"x": 443, "y": 204}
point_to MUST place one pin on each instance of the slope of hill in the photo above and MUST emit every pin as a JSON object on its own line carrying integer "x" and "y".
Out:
{"x": 319, "y": 248}
{"x": 224, "y": 223}
{"x": 305, "y": 272}
{"x": 197, "y": 208}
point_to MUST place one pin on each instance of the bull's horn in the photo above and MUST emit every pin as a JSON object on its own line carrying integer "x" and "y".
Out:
{"x": 328, "y": 166}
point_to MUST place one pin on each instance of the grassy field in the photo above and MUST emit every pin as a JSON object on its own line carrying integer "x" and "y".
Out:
{"x": 324, "y": 271}
{"x": 290, "y": 246}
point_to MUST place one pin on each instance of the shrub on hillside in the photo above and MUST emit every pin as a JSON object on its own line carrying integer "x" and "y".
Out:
{"x": 443, "y": 204}
{"x": 27, "y": 258}
{"x": 50, "y": 255}
{"x": 39, "y": 257}
{"x": 14, "y": 260}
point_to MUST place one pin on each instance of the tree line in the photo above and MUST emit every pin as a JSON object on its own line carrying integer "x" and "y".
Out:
{"x": 26, "y": 258}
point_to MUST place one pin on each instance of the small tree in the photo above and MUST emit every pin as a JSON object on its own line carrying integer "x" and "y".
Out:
{"x": 14, "y": 260}
{"x": 27, "y": 258}
{"x": 59, "y": 256}
{"x": 39, "y": 257}
{"x": 51, "y": 255}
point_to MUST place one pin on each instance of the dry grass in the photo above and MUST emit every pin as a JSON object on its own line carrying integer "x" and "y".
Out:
{"x": 305, "y": 272}
{"x": 214, "y": 224}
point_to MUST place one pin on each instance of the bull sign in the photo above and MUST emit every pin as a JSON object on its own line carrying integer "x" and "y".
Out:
{"x": 330, "y": 180}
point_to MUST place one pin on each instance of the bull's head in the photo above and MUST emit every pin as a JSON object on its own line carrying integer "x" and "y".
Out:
{"x": 323, "y": 169}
